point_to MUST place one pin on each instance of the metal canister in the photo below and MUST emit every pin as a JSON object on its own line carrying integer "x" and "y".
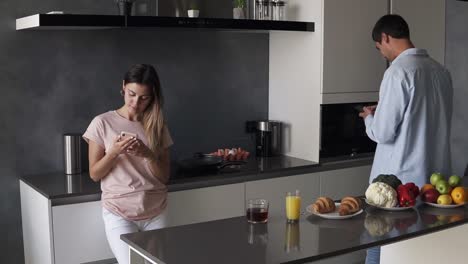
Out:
{"x": 72, "y": 153}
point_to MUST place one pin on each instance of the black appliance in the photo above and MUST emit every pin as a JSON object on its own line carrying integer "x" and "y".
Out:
{"x": 343, "y": 132}
{"x": 267, "y": 137}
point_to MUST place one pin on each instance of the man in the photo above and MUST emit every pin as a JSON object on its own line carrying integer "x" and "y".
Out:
{"x": 411, "y": 123}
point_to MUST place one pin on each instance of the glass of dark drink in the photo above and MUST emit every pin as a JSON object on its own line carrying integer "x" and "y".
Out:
{"x": 257, "y": 211}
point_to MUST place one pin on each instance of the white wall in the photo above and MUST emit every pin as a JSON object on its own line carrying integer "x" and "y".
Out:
{"x": 295, "y": 81}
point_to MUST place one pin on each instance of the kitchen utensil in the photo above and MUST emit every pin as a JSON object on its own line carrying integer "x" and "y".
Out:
{"x": 202, "y": 161}
{"x": 268, "y": 137}
{"x": 72, "y": 153}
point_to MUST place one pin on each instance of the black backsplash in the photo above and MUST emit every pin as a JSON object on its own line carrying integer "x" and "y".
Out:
{"x": 56, "y": 81}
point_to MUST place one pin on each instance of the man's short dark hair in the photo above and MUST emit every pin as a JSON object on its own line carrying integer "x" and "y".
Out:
{"x": 392, "y": 25}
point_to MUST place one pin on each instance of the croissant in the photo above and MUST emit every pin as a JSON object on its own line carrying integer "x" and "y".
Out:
{"x": 324, "y": 205}
{"x": 349, "y": 205}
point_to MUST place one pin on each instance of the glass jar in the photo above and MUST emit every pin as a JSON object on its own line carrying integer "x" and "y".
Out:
{"x": 259, "y": 9}
{"x": 267, "y": 9}
{"x": 279, "y": 10}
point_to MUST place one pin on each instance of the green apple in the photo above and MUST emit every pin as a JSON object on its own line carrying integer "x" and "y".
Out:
{"x": 443, "y": 187}
{"x": 454, "y": 180}
{"x": 435, "y": 177}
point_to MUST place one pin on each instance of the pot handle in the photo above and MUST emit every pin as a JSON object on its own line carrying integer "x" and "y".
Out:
{"x": 229, "y": 163}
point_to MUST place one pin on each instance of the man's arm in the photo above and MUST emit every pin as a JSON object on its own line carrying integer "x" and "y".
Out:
{"x": 382, "y": 126}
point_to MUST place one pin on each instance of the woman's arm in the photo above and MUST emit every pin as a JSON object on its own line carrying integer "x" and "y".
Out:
{"x": 160, "y": 165}
{"x": 159, "y": 162}
{"x": 100, "y": 162}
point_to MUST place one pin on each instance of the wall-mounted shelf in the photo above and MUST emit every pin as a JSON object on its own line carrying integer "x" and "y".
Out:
{"x": 69, "y": 21}
{"x": 47, "y": 21}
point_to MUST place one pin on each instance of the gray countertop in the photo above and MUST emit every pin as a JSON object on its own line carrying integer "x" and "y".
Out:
{"x": 234, "y": 240}
{"x": 68, "y": 189}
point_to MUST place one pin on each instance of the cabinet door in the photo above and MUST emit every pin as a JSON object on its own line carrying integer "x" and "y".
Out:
{"x": 350, "y": 61}
{"x": 339, "y": 183}
{"x": 426, "y": 20}
{"x": 274, "y": 190}
{"x": 205, "y": 204}
{"x": 37, "y": 226}
{"x": 79, "y": 234}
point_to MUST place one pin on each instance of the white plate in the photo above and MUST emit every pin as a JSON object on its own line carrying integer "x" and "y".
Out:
{"x": 444, "y": 205}
{"x": 332, "y": 215}
{"x": 390, "y": 208}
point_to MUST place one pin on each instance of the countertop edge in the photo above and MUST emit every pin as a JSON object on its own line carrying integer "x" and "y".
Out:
{"x": 211, "y": 181}
{"x": 379, "y": 244}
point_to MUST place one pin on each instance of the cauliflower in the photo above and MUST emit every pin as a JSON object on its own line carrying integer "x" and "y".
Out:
{"x": 381, "y": 194}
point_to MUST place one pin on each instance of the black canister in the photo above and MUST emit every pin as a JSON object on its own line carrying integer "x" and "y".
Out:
{"x": 72, "y": 153}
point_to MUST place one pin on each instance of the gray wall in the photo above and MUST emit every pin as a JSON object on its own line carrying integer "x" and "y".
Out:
{"x": 457, "y": 62}
{"x": 54, "y": 82}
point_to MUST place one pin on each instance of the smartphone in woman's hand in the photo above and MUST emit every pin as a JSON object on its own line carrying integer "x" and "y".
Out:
{"x": 124, "y": 135}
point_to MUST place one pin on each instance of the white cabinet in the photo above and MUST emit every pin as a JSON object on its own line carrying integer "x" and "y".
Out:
{"x": 37, "y": 226}
{"x": 72, "y": 234}
{"x": 68, "y": 234}
{"x": 426, "y": 20}
{"x": 79, "y": 234}
{"x": 351, "y": 64}
{"x": 205, "y": 204}
{"x": 344, "y": 182}
{"x": 274, "y": 190}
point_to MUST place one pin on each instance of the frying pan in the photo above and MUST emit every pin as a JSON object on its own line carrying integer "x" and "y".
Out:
{"x": 202, "y": 161}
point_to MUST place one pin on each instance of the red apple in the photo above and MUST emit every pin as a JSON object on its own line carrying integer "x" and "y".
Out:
{"x": 430, "y": 196}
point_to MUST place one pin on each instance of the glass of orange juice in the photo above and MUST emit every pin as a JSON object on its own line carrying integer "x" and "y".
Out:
{"x": 293, "y": 206}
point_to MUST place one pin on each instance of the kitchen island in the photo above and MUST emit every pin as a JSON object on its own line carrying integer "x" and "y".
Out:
{"x": 311, "y": 239}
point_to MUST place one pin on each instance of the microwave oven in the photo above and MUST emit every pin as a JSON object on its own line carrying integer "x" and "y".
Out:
{"x": 343, "y": 132}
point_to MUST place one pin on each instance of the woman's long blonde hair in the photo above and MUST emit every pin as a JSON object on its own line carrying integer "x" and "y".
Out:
{"x": 152, "y": 118}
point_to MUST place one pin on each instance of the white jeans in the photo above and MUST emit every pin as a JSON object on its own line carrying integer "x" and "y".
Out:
{"x": 116, "y": 225}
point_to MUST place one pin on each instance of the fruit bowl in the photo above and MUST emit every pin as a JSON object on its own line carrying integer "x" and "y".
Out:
{"x": 444, "y": 205}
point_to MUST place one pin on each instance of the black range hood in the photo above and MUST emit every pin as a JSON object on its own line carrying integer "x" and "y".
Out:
{"x": 75, "y": 21}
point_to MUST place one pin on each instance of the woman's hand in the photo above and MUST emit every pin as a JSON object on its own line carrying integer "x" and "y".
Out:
{"x": 139, "y": 149}
{"x": 120, "y": 146}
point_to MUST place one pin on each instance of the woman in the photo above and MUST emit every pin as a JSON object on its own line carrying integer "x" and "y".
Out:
{"x": 133, "y": 170}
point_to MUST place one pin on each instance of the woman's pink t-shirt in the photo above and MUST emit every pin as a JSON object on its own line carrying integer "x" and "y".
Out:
{"x": 130, "y": 189}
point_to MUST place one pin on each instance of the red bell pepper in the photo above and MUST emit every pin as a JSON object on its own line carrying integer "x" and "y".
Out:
{"x": 405, "y": 196}
{"x": 413, "y": 188}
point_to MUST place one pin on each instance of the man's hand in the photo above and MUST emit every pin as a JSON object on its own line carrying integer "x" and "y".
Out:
{"x": 367, "y": 110}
